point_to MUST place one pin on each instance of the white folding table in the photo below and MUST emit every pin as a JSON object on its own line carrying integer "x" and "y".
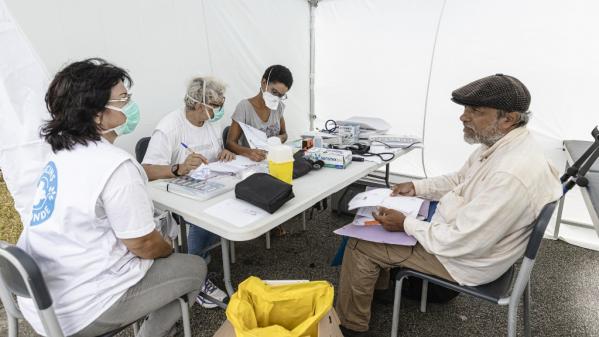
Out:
{"x": 308, "y": 190}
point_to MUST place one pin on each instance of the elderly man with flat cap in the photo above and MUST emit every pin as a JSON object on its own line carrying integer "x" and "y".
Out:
{"x": 484, "y": 213}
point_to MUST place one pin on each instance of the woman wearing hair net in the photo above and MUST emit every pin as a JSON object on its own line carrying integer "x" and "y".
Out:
{"x": 195, "y": 126}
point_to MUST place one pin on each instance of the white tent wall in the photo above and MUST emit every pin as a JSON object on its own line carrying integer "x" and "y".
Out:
{"x": 373, "y": 58}
{"x": 23, "y": 81}
{"x": 164, "y": 44}
{"x": 551, "y": 46}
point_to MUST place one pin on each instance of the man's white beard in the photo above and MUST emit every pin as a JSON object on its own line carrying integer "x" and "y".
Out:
{"x": 488, "y": 136}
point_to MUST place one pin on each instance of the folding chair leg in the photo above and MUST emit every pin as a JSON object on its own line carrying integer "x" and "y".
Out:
{"x": 560, "y": 207}
{"x": 268, "y": 240}
{"x": 396, "y": 306}
{"x": 423, "y": 296}
{"x": 13, "y": 326}
{"x": 558, "y": 218}
{"x": 512, "y": 320}
{"x": 185, "y": 317}
{"x": 526, "y": 312}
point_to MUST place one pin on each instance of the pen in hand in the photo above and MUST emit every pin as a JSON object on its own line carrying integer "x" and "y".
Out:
{"x": 187, "y": 148}
{"x": 194, "y": 154}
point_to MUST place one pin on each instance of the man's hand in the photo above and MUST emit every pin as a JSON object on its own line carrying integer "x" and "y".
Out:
{"x": 406, "y": 189}
{"x": 226, "y": 155}
{"x": 256, "y": 154}
{"x": 390, "y": 219}
{"x": 192, "y": 162}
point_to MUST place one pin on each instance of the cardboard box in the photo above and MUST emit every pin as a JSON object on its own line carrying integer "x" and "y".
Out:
{"x": 328, "y": 327}
{"x": 331, "y": 157}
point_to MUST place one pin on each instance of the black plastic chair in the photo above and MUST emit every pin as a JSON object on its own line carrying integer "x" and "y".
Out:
{"x": 498, "y": 291}
{"x": 140, "y": 148}
{"x": 225, "y": 134}
{"x": 21, "y": 276}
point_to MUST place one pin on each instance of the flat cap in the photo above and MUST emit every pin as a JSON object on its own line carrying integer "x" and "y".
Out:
{"x": 497, "y": 91}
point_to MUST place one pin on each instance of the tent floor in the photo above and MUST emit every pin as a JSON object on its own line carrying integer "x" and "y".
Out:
{"x": 565, "y": 288}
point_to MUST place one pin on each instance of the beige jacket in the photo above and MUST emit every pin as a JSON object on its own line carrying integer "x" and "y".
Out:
{"x": 483, "y": 219}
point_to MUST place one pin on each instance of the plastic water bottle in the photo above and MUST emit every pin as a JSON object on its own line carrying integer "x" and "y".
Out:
{"x": 280, "y": 160}
{"x": 318, "y": 141}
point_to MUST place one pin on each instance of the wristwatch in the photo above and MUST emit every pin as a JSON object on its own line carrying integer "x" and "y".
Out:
{"x": 175, "y": 169}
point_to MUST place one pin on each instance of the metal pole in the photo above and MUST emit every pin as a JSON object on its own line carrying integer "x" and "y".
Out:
{"x": 313, "y": 5}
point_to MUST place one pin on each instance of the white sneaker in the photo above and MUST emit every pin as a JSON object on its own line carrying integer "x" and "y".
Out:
{"x": 213, "y": 291}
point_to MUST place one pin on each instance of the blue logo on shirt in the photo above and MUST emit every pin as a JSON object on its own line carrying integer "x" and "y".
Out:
{"x": 45, "y": 196}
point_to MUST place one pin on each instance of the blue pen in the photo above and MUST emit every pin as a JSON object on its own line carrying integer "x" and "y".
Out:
{"x": 186, "y": 147}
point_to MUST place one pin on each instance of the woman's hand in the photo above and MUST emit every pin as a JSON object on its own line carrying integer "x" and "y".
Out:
{"x": 226, "y": 155}
{"x": 256, "y": 154}
{"x": 192, "y": 162}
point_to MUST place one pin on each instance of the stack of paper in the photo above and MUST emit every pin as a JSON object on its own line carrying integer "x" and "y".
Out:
{"x": 381, "y": 197}
{"x": 240, "y": 163}
{"x": 365, "y": 227}
{"x": 234, "y": 166}
{"x": 201, "y": 173}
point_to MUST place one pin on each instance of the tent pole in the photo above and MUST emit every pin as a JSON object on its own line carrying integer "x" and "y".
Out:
{"x": 313, "y": 5}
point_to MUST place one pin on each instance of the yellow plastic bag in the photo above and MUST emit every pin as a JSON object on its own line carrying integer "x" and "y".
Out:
{"x": 261, "y": 310}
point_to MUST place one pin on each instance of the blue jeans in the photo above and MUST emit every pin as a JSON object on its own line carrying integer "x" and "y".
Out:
{"x": 338, "y": 258}
{"x": 199, "y": 239}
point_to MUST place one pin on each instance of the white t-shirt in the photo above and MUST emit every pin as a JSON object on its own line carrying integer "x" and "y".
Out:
{"x": 78, "y": 218}
{"x": 165, "y": 146}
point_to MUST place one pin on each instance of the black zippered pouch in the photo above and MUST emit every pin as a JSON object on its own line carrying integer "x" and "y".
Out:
{"x": 264, "y": 191}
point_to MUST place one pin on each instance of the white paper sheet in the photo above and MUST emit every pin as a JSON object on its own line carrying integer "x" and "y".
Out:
{"x": 256, "y": 138}
{"x": 236, "y": 165}
{"x": 201, "y": 173}
{"x": 366, "y": 211}
{"x": 382, "y": 197}
{"x": 236, "y": 212}
{"x": 372, "y": 197}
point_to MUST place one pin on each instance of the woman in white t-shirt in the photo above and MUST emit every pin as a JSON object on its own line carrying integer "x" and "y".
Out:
{"x": 182, "y": 141}
{"x": 263, "y": 111}
{"x": 91, "y": 229}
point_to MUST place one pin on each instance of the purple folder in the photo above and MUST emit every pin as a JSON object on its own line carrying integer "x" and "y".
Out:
{"x": 376, "y": 233}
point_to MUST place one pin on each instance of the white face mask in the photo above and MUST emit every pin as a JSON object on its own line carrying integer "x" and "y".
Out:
{"x": 271, "y": 101}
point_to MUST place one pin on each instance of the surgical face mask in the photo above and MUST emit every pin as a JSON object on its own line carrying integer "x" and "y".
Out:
{"x": 131, "y": 112}
{"x": 218, "y": 114}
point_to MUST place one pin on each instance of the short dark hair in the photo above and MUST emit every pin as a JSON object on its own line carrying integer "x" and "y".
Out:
{"x": 278, "y": 73}
{"x": 75, "y": 97}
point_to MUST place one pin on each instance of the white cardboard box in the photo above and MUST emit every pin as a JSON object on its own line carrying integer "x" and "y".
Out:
{"x": 334, "y": 158}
